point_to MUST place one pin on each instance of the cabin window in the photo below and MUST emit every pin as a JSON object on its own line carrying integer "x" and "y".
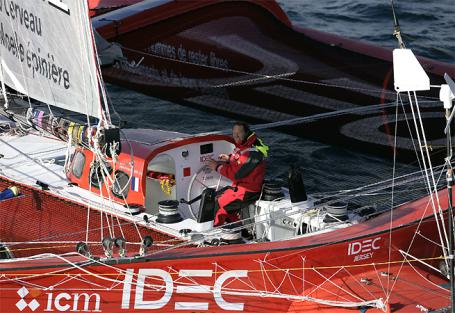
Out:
{"x": 207, "y": 148}
{"x": 121, "y": 183}
{"x": 78, "y": 164}
{"x": 96, "y": 176}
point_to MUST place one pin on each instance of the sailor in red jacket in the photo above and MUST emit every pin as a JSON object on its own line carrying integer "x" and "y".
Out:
{"x": 245, "y": 167}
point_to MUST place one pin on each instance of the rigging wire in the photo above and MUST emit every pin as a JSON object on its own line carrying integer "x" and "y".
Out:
{"x": 396, "y": 29}
{"x": 392, "y": 191}
{"x": 426, "y": 157}
{"x": 278, "y": 76}
{"x": 288, "y": 122}
{"x": 299, "y": 120}
{"x": 253, "y": 290}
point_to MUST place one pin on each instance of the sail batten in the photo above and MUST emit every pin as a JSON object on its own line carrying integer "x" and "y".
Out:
{"x": 47, "y": 53}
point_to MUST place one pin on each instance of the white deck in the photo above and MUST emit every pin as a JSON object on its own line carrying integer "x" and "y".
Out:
{"x": 33, "y": 157}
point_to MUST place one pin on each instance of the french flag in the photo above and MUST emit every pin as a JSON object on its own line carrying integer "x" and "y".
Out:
{"x": 135, "y": 184}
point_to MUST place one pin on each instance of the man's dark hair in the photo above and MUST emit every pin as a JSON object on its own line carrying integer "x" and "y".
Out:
{"x": 246, "y": 128}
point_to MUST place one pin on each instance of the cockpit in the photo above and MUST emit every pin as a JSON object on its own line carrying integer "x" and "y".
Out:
{"x": 166, "y": 184}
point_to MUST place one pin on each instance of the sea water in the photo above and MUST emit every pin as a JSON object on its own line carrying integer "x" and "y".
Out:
{"x": 428, "y": 28}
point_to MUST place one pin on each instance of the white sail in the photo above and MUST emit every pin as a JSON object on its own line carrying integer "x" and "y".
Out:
{"x": 47, "y": 53}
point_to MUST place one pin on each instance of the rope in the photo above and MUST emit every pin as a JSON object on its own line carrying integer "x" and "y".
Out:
{"x": 291, "y": 269}
{"x": 441, "y": 215}
{"x": 422, "y": 276}
{"x": 158, "y": 287}
{"x": 279, "y": 76}
{"x": 425, "y": 166}
{"x": 40, "y": 248}
{"x": 409, "y": 248}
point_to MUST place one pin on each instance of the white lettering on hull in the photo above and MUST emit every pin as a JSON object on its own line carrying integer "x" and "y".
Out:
{"x": 139, "y": 302}
{"x": 165, "y": 284}
{"x": 363, "y": 250}
{"x": 156, "y": 282}
{"x": 65, "y": 302}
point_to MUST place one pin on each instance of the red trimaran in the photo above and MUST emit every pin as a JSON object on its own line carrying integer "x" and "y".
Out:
{"x": 100, "y": 6}
{"x": 97, "y": 228}
{"x": 245, "y": 58}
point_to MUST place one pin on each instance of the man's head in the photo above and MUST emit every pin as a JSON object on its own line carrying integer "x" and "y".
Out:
{"x": 240, "y": 132}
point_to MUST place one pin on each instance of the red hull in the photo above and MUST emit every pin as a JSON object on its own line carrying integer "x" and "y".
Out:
{"x": 300, "y": 274}
{"x": 247, "y": 285}
{"x": 102, "y": 6}
{"x": 244, "y": 58}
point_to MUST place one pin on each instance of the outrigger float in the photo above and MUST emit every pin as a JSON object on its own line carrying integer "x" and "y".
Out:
{"x": 111, "y": 220}
{"x": 246, "y": 59}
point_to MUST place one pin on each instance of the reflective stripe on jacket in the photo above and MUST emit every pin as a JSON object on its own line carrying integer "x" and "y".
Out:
{"x": 246, "y": 166}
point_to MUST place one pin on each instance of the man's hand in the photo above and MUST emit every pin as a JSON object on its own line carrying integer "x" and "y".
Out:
{"x": 212, "y": 164}
{"x": 223, "y": 157}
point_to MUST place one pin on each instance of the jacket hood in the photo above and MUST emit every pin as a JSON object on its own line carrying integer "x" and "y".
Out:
{"x": 248, "y": 143}
{"x": 254, "y": 141}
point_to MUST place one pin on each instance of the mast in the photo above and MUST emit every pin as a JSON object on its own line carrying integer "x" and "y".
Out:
{"x": 450, "y": 183}
{"x": 396, "y": 28}
{"x": 447, "y": 95}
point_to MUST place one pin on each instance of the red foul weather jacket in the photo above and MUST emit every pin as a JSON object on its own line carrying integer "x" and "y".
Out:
{"x": 246, "y": 169}
{"x": 246, "y": 166}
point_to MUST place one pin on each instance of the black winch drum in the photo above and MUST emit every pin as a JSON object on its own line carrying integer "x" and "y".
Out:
{"x": 231, "y": 234}
{"x": 337, "y": 211}
{"x": 271, "y": 191}
{"x": 168, "y": 212}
